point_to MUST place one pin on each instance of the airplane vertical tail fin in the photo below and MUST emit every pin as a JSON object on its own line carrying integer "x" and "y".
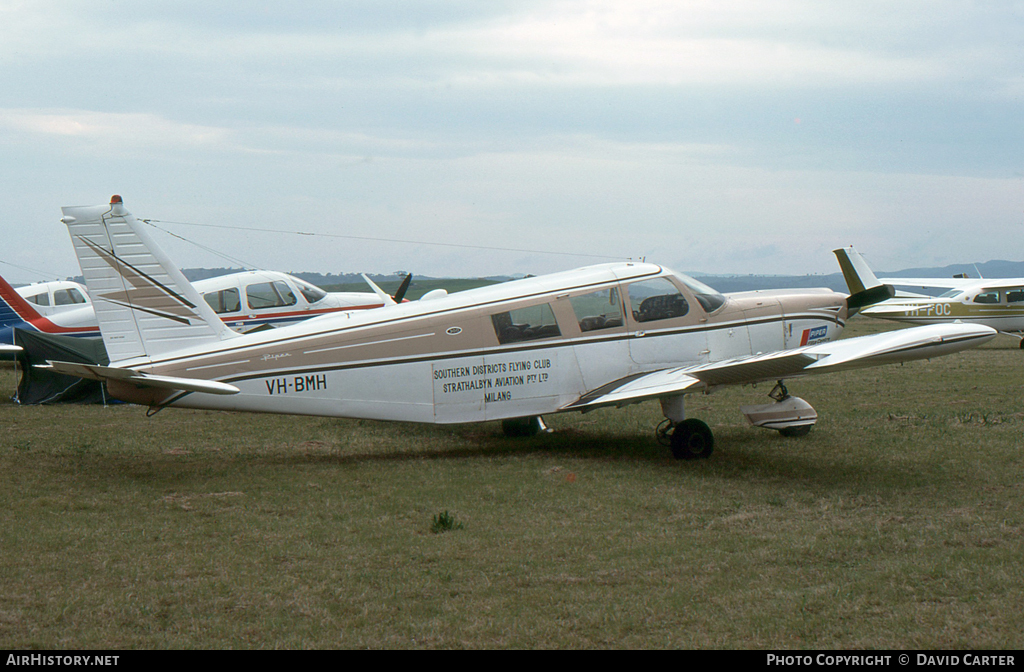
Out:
{"x": 144, "y": 305}
{"x": 865, "y": 288}
{"x": 13, "y": 308}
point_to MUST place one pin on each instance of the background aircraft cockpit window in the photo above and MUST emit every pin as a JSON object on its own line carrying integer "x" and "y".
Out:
{"x": 224, "y": 301}
{"x": 598, "y": 310}
{"x": 656, "y": 299}
{"x": 987, "y": 297}
{"x": 312, "y": 294}
{"x": 67, "y": 297}
{"x": 525, "y": 324}
{"x": 42, "y": 299}
{"x": 709, "y": 298}
{"x": 269, "y": 295}
{"x": 951, "y": 294}
{"x": 1015, "y": 295}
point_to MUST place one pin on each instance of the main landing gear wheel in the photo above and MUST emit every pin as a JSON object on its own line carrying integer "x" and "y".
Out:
{"x": 692, "y": 439}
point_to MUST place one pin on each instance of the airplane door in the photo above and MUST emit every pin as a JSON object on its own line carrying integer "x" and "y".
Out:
{"x": 767, "y": 332}
{"x": 666, "y": 326}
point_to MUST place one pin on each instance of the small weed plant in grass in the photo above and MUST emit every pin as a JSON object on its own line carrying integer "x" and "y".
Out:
{"x": 444, "y": 522}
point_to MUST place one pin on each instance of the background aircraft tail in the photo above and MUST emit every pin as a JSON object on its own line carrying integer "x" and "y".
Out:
{"x": 865, "y": 288}
{"x": 14, "y": 310}
{"x": 144, "y": 305}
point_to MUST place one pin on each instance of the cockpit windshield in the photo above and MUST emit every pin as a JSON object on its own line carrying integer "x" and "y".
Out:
{"x": 312, "y": 294}
{"x": 710, "y": 299}
{"x": 951, "y": 294}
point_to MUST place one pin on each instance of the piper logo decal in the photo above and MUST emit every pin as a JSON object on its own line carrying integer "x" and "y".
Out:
{"x": 814, "y": 335}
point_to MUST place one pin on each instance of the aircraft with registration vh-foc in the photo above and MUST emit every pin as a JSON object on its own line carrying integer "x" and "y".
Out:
{"x": 993, "y": 302}
{"x": 599, "y": 336}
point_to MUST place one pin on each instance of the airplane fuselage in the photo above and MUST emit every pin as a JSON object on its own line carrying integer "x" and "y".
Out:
{"x": 522, "y": 348}
{"x": 1000, "y": 315}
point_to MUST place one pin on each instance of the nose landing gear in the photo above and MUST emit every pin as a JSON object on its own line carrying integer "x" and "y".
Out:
{"x": 791, "y": 416}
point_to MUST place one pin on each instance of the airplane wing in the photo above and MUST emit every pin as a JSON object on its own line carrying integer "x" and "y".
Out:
{"x": 852, "y": 353}
{"x": 947, "y": 283}
{"x": 9, "y": 349}
{"x": 96, "y": 372}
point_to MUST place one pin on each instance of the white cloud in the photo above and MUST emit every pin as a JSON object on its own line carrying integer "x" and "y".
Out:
{"x": 118, "y": 131}
{"x": 651, "y": 127}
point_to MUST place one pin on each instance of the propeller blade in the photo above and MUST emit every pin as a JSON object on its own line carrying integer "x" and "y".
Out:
{"x": 402, "y": 289}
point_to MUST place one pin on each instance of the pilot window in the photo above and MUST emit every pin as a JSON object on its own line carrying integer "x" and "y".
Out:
{"x": 598, "y": 310}
{"x": 987, "y": 297}
{"x": 1014, "y": 295}
{"x": 656, "y": 299}
{"x": 269, "y": 295}
{"x": 224, "y": 301}
{"x": 67, "y": 297}
{"x": 525, "y": 324}
{"x": 39, "y": 299}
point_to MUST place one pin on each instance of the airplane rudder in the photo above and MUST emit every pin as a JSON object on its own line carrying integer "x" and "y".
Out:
{"x": 143, "y": 303}
{"x": 858, "y": 275}
{"x": 14, "y": 309}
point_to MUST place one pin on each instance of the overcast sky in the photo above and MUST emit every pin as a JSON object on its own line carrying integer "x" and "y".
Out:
{"x": 727, "y": 136}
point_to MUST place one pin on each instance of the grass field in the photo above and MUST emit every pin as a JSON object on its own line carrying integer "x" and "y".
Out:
{"x": 896, "y": 523}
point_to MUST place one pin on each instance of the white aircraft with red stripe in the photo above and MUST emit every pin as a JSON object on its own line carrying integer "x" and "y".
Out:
{"x": 244, "y": 301}
{"x": 61, "y": 308}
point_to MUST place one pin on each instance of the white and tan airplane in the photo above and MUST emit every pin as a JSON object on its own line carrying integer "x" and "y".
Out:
{"x": 606, "y": 335}
{"x": 995, "y": 302}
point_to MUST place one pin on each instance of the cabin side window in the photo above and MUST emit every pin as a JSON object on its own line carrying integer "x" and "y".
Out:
{"x": 224, "y": 301}
{"x": 598, "y": 310}
{"x": 525, "y": 324}
{"x": 269, "y": 295}
{"x": 656, "y": 299}
{"x": 1015, "y": 295}
{"x": 67, "y": 297}
{"x": 42, "y": 299}
{"x": 987, "y": 297}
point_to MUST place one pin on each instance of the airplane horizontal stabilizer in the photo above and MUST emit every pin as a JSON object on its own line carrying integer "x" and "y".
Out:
{"x": 96, "y": 372}
{"x": 9, "y": 349}
{"x": 870, "y": 296}
{"x": 853, "y": 353}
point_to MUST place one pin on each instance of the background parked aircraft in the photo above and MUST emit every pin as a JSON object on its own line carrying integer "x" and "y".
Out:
{"x": 996, "y": 302}
{"x": 245, "y": 301}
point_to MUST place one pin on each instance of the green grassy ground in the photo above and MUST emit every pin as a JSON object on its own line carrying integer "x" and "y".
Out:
{"x": 896, "y": 523}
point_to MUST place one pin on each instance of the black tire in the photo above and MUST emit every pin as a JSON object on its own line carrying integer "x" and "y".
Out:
{"x": 692, "y": 440}
{"x": 800, "y": 430}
